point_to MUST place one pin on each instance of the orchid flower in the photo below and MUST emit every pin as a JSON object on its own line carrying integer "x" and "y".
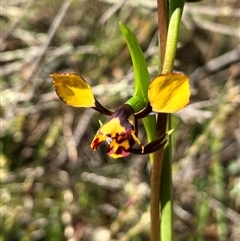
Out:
{"x": 167, "y": 93}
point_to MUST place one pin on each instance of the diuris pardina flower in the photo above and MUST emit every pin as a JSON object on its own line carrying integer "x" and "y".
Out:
{"x": 167, "y": 93}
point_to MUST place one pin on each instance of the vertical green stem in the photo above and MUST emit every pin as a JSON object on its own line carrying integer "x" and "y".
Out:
{"x": 175, "y": 13}
{"x": 155, "y": 182}
{"x": 161, "y": 129}
{"x": 166, "y": 194}
{"x": 161, "y": 172}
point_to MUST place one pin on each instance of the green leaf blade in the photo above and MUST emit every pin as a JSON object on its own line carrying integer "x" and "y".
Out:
{"x": 142, "y": 81}
{"x": 141, "y": 75}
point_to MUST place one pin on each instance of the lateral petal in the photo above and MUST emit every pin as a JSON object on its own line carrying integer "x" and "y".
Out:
{"x": 73, "y": 90}
{"x": 169, "y": 93}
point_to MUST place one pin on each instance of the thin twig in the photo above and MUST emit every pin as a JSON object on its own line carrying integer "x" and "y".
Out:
{"x": 14, "y": 25}
{"x": 77, "y": 136}
{"x": 216, "y": 27}
{"x": 214, "y": 65}
{"x": 117, "y": 5}
{"x": 213, "y": 11}
{"x": 51, "y": 32}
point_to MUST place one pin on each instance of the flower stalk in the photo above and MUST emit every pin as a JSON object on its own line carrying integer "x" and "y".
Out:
{"x": 169, "y": 18}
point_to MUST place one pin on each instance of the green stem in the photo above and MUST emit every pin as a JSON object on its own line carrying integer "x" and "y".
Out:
{"x": 175, "y": 13}
{"x": 160, "y": 129}
{"x": 166, "y": 192}
{"x": 161, "y": 172}
{"x": 155, "y": 181}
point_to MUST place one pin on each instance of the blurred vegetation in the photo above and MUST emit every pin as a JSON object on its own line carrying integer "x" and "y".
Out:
{"x": 53, "y": 186}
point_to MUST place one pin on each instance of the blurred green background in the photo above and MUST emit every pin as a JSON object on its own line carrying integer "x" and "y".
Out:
{"x": 53, "y": 186}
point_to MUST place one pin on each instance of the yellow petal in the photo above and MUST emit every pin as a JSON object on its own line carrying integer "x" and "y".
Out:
{"x": 169, "y": 93}
{"x": 73, "y": 90}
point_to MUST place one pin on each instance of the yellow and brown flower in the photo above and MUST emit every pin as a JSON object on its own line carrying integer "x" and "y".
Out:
{"x": 121, "y": 129}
